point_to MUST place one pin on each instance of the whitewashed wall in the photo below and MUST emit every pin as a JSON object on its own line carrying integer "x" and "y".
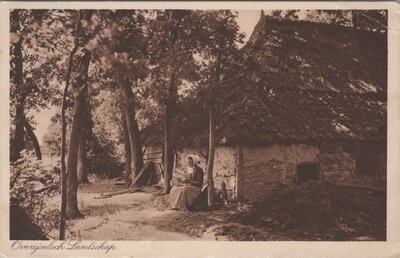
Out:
{"x": 224, "y": 167}
{"x": 263, "y": 168}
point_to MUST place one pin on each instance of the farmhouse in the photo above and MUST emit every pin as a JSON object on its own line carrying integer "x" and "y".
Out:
{"x": 308, "y": 102}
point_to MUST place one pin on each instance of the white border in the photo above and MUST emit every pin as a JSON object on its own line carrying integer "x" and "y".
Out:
{"x": 390, "y": 248}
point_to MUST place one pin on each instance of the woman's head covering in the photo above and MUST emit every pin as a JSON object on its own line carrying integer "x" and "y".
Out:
{"x": 195, "y": 158}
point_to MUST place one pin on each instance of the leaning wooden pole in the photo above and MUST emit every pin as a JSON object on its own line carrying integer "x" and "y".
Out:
{"x": 211, "y": 151}
{"x": 64, "y": 133}
{"x": 167, "y": 142}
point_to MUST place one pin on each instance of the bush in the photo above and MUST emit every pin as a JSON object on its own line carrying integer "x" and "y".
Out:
{"x": 22, "y": 227}
{"x": 102, "y": 161}
{"x": 320, "y": 210}
{"x": 31, "y": 186}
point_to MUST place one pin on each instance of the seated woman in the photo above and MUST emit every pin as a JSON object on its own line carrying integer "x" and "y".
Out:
{"x": 183, "y": 195}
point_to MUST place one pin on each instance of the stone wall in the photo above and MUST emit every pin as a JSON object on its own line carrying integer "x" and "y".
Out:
{"x": 264, "y": 168}
{"x": 337, "y": 162}
{"x": 356, "y": 164}
{"x": 225, "y": 170}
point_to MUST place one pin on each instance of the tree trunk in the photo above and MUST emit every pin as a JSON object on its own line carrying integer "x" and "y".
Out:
{"x": 133, "y": 128}
{"x": 127, "y": 145}
{"x": 171, "y": 156}
{"x": 72, "y": 160}
{"x": 169, "y": 106}
{"x": 18, "y": 144}
{"x": 77, "y": 120}
{"x": 34, "y": 140}
{"x": 168, "y": 146}
{"x": 17, "y": 77}
{"x": 211, "y": 152}
{"x": 64, "y": 132}
{"x": 82, "y": 159}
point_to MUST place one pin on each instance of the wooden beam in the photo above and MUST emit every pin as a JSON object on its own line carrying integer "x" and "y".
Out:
{"x": 285, "y": 160}
{"x": 155, "y": 158}
{"x": 154, "y": 153}
{"x": 144, "y": 150}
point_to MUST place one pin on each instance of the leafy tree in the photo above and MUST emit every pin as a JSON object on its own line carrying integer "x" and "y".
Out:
{"x": 172, "y": 42}
{"x": 103, "y": 46}
{"x": 105, "y": 142}
{"x": 291, "y": 14}
{"x": 372, "y": 20}
{"x": 77, "y": 74}
{"x": 80, "y": 86}
{"x": 276, "y": 13}
{"x": 218, "y": 50}
{"x": 40, "y": 42}
{"x": 122, "y": 62}
{"x": 36, "y": 47}
{"x": 17, "y": 80}
{"x": 287, "y": 14}
{"x": 64, "y": 190}
{"x": 104, "y": 135}
{"x": 52, "y": 138}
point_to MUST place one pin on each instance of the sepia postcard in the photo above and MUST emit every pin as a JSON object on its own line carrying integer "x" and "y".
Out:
{"x": 200, "y": 129}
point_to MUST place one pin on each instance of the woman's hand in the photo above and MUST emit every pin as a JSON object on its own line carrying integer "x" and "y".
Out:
{"x": 193, "y": 183}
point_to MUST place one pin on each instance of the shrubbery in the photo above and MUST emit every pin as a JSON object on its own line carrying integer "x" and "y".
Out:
{"x": 102, "y": 160}
{"x": 31, "y": 186}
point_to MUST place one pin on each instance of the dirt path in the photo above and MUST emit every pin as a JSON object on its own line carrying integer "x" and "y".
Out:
{"x": 122, "y": 217}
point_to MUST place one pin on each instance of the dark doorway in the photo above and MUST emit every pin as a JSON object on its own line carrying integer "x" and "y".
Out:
{"x": 307, "y": 172}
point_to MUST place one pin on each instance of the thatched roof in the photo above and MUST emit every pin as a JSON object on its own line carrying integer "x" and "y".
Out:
{"x": 300, "y": 81}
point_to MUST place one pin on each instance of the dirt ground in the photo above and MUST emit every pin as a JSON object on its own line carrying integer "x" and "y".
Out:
{"x": 143, "y": 216}
{"x": 128, "y": 216}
